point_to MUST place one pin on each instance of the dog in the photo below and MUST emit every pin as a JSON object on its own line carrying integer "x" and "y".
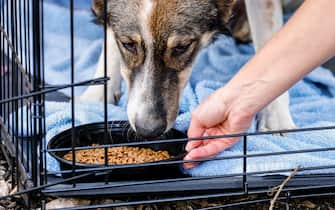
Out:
{"x": 152, "y": 45}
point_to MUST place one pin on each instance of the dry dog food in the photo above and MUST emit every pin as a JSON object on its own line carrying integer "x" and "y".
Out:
{"x": 118, "y": 155}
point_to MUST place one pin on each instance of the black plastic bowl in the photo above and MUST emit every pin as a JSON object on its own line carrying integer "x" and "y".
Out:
{"x": 86, "y": 135}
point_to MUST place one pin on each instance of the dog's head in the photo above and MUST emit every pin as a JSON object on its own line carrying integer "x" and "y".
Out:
{"x": 158, "y": 41}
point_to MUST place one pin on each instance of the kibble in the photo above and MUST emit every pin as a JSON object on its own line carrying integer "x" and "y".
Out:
{"x": 118, "y": 155}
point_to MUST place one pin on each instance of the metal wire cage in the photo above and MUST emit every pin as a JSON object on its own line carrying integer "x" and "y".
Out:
{"x": 23, "y": 131}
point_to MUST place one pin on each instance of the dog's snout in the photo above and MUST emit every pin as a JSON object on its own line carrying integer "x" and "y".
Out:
{"x": 150, "y": 129}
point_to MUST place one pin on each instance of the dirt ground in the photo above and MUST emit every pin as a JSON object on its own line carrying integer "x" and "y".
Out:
{"x": 312, "y": 204}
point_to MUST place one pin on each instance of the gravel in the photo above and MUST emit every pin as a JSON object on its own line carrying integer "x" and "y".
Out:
{"x": 5, "y": 188}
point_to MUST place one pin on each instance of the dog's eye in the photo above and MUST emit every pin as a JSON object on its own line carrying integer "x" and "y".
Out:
{"x": 180, "y": 49}
{"x": 130, "y": 46}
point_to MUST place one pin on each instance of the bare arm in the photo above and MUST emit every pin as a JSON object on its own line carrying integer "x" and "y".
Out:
{"x": 305, "y": 42}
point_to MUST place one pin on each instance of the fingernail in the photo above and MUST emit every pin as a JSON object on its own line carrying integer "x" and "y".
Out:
{"x": 187, "y": 166}
{"x": 190, "y": 164}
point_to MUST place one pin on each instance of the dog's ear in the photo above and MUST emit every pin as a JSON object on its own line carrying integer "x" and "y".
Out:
{"x": 225, "y": 9}
{"x": 233, "y": 16}
{"x": 98, "y": 8}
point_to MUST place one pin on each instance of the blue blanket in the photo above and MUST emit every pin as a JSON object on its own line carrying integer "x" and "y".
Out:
{"x": 57, "y": 41}
{"x": 312, "y": 99}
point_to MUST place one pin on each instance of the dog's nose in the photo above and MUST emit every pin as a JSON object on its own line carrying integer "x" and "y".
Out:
{"x": 150, "y": 129}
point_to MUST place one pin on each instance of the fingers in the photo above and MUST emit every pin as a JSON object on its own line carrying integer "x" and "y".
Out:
{"x": 205, "y": 151}
{"x": 195, "y": 130}
{"x": 192, "y": 144}
{"x": 206, "y": 120}
{"x": 210, "y": 149}
{"x": 191, "y": 164}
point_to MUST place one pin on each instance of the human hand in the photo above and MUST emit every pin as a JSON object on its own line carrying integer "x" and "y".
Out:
{"x": 217, "y": 115}
{"x": 279, "y": 64}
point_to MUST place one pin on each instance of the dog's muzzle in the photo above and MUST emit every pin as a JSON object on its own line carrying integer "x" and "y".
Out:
{"x": 150, "y": 128}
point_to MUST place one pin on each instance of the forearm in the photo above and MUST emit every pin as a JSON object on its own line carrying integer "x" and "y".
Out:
{"x": 305, "y": 42}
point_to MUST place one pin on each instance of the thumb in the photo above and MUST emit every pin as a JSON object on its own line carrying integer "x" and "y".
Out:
{"x": 195, "y": 130}
{"x": 211, "y": 149}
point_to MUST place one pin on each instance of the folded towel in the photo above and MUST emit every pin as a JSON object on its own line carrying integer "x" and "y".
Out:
{"x": 312, "y": 99}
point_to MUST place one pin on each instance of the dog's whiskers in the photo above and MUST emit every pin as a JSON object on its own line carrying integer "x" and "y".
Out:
{"x": 128, "y": 134}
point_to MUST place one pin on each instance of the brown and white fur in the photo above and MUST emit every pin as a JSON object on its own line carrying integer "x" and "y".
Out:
{"x": 153, "y": 43}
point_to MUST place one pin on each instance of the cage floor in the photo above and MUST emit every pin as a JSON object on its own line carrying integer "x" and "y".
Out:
{"x": 213, "y": 185}
{"x": 182, "y": 186}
